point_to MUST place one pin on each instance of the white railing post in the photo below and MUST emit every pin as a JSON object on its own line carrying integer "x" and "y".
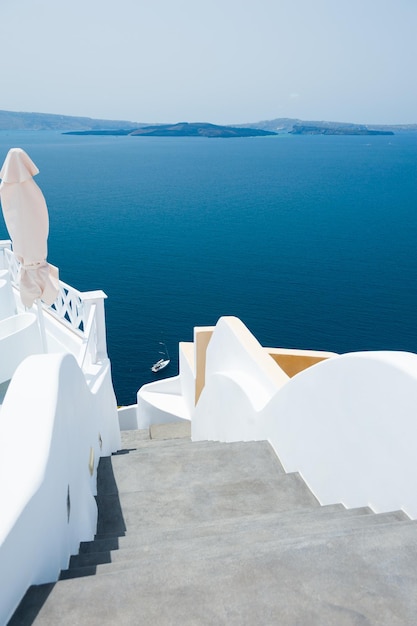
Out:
{"x": 11, "y": 263}
{"x": 5, "y": 244}
{"x": 90, "y": 298}
{"x": 89, "y": 346}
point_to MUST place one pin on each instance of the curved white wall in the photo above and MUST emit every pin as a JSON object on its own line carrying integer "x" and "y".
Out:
{"x": 234, "y": 348}
{"x": 347, "y": 424}
{"x": 240, "y": 380}
{"x": 52, "y": 426}
{"x": 225, "y": 411}
{"x": 19, "y": 338}
{"x": 161, "y": 402}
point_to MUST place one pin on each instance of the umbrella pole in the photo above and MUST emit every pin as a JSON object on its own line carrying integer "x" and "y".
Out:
{"x": 41, "y": 323}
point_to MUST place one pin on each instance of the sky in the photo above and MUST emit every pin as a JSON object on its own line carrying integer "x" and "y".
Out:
{"x": 218, "y": 61}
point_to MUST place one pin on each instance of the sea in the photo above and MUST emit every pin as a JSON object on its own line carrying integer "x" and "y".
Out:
{"x": 310, "y": 240}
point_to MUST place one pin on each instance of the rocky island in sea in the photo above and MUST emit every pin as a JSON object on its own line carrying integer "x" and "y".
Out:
{"x": 182, "y": 129}
{"x": 304, "y": 129}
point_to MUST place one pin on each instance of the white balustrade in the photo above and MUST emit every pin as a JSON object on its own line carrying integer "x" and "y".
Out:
{"x": 80, "y": 312}
{"x": 68, "y": 308}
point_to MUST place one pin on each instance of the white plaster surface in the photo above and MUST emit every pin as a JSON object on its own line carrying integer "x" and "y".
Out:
{"x": 7, "y": 304}
{"x": 19, "y": 338}
{"x": 347, "y": 424}
{"x": 187, "y": 375}
{"x": 49, "y": 422}
{"x": 161, "y": 402}
{"x": 128, "y": 419}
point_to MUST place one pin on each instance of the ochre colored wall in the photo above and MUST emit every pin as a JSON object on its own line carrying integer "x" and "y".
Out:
{"x": 295, "y": 361}
{"x": 202, "y": 336}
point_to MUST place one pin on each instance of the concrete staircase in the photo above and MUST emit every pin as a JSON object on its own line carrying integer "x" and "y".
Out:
{"x": 213, "y": 534}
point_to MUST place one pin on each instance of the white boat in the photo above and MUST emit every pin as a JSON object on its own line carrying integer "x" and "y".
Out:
{"x": 161, "y": 363}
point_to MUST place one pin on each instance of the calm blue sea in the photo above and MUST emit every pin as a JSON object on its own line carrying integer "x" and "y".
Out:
{"x": 310, "y": 240}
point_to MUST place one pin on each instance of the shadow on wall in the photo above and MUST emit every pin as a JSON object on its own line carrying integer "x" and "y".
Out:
{"x": 110, "y": 522}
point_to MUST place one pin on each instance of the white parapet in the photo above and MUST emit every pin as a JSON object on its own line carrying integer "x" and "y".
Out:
{"x": 240, "y": 379}
{"x": 167, "y": 400}
{"x": 53, "y": 430}
{"x": 347, "y": 423}
{"x": 161, "y": 402}
{"x": 19, "y": 338}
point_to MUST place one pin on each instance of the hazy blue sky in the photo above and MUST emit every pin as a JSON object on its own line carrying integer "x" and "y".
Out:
{"x": 221, "y": 61}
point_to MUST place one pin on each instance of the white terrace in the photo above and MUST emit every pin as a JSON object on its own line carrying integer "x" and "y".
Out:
{"x": 346, "y": 423}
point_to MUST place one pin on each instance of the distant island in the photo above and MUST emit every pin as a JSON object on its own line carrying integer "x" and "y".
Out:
{"x": 182, "y": 129}
{"x": 14, "y": 120}
{"x": 301, "y": 129}
{"x": 288, "y": 125}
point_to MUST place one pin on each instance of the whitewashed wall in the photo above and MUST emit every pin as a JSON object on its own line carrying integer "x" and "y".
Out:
{"x": 241, "y": 378}
{"x": 167, "y": 400}
{"x": 161, "y": 402}
{"x": 19, "y": 338}
{"x": 52, "y": 427}
{"x": 348, "y": 424}
{"x": 7, "y": 303}
{"x": 187, "y": 375}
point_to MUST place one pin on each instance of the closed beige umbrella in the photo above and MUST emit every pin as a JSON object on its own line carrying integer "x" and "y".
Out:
{"x": 26, "y": 216}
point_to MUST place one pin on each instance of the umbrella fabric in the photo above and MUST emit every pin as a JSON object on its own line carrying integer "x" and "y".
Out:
{"x": 26, "y": 216}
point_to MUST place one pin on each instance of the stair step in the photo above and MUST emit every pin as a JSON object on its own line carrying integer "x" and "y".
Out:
{"x": 129, "y": 438}
{"x": 175, "y": 430}
{"x": 134, "y": 537}
{"x": 207, "y": 463}
{"x": 359, "y": 578}
{"x": 145, "y": 560}
{"x": 223, "y": 538}
{"x": 152, "y": 446}
{"x": 161, "y": 432}
{"x": 175, "y": 506}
